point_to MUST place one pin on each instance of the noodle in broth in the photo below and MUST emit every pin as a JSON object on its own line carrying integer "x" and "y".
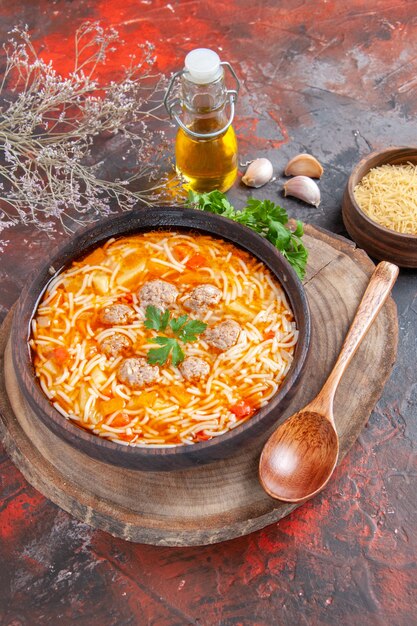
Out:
{"x": 79, "y": 359}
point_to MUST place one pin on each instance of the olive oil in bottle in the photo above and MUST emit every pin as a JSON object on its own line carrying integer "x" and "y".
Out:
{"x": 207, "y": 164}
{"x": 206, "y": 145}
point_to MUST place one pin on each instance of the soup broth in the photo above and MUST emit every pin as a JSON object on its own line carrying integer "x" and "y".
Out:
{"x": 100, "y": 321}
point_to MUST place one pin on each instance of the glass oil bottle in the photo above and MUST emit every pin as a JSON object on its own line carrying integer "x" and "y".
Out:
{"x": 206, "y": 145}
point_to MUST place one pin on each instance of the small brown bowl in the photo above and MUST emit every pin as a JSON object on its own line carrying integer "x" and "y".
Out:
{"x": 380, "y": 242}
{"x": 155, "y": 459}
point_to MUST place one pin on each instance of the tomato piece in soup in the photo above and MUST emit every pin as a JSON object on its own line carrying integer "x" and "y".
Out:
{"x": 242, "y": 409}
{"x": 196, "y": 261}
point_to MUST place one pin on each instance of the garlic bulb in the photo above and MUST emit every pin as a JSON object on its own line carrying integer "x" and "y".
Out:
{"x": 303, "y": 188}
{"x": 304, "y": 165}
{"x": 259, "y": 172}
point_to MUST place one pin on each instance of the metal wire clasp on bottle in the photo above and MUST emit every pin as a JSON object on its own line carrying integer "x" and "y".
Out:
{"x": 174, "y": 106}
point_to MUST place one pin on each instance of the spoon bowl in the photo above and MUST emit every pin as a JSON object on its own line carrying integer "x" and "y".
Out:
{"x": 300, "y": 456}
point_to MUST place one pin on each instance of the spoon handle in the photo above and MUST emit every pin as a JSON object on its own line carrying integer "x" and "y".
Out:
{"x": 378, "y": 290}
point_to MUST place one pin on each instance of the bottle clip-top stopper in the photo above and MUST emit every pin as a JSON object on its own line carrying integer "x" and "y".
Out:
{"x": 202, "y": 66}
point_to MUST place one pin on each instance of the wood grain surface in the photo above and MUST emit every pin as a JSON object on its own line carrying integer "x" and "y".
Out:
{"x": 224, "y": 499}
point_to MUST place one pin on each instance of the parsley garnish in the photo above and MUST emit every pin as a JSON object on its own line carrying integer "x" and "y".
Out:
{"x": 263, "y": 216}
{"x": 188, "y": 331}
{"x": 183, "y": 328}
{"x": 156, "y": 319}
{"x": 169, "y": 346}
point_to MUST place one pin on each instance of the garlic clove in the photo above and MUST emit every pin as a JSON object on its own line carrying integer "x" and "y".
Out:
{"x": 303, "y": 188}
{"x": 304, "y": 165}
{"x": 259, "y": 172}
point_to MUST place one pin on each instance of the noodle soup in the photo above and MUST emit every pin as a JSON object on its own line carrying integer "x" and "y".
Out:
{"x": 106, "y": 323}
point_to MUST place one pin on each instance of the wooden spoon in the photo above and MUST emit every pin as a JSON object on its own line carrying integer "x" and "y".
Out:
{"x": 299, "y": 458}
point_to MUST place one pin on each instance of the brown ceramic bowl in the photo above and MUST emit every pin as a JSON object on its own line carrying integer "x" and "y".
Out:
{"x": 153, "y": 459}
{"x": 380, "y": 242}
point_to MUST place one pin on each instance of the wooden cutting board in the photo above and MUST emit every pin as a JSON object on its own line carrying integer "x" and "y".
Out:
{"x": 222, "y": 500}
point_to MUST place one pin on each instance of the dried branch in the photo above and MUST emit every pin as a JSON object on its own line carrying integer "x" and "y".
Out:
{"x": 51, "y": 127}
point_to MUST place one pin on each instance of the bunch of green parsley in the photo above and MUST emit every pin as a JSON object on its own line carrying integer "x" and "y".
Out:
{"x": 263, "y": 216}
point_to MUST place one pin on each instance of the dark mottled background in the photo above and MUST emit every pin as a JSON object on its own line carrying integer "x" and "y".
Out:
{"x": 335, "y": 79}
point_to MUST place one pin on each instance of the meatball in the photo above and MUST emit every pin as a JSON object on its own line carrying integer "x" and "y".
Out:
{"x": 157, "y": 293}
{"x": 192, "y": 367}
{"x": 136, "y": 372}
{"x": 115, "y": 345}
{"x": 202, "y": 297}
{"x": 116, "y": 314}
{"x": 223, "y": 335}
